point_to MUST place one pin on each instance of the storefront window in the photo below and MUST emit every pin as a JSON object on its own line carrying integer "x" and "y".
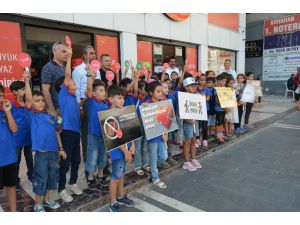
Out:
{"x": 216, "y": 59}
{"x": 39, "y": 44}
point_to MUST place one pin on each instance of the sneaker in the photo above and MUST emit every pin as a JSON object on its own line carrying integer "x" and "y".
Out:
{"x": 51, "y": 204}
{"x": 146, "y": 167}
{"x": 126, "y": 201}
{"x": 75, "y": 189}
{"x": 164, "y": 165}
{"x": 102, "y": 181}
{"x": 39, "y": 208}
{"x": 92, "y": 184}
{"x": 220, "y": 140}
{"x": 188, "y": 166}
{"x": 160, "y": 184}
{"x": 248, "y": 126}
{"x": 65, "y": 196}
{"x": 198, "y": 142}
{"x": 171, "y": 161}
{"x": 196, "y": 164}
{"x": 114, "y": 207}
{"x": 205, "y": 144}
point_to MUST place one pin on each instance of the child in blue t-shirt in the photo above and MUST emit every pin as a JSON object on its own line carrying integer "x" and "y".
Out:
{"x": 22, "y": 136}
{"x": 96, "y": 152}
{"x": 47, "y": 144}
{"x": 127, "y": 84}
{"x": 8, "y": 154}
{"x": 157, "y": 148}
{"x": 119, "y": 156}
{"x": 211, "y": 113}
{"x": 70, "y": 135}
{"x": 205, "y": 91}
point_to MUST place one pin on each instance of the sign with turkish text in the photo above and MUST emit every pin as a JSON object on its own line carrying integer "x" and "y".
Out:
{"x": 192, "y": 106}
{"x": 158, "y": 118}
{"x": 248, "y": 94}
{"x": 225, "y": 97}
{"x": 257, "y": 86}
{"x": 119, "y": 126}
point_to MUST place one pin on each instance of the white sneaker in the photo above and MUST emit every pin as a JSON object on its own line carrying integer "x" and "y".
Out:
{"x": 65, "y": 196}
{"x": 75, "y": 189}
{"x": 188, "y": 166}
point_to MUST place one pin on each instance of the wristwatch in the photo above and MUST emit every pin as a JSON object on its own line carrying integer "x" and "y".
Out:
{"x": 88, "y": 75}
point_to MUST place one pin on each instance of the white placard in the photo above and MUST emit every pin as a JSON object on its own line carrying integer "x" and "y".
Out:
{"x": 248, "y": 94}
{"x": 192, "y": 106}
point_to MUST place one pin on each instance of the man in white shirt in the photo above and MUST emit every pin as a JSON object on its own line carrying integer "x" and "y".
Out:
{"x": 172, "y": 64}
{"x": 227, "y": 66}
{"x": 79, "y": 77}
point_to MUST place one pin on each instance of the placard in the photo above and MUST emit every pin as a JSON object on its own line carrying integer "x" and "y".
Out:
{"x": 158, "y": 118}
{"x": 119, "y": 126}
{"x": 225, "y": 97}
{"x": 248, "y": 94}
{"x": 192, "y": 106}
{"x": 257, "y": 85}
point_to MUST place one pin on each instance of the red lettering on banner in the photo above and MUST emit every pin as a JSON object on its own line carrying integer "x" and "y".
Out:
{"x": 282, "y": 25}
{"x": 10, "y": 48}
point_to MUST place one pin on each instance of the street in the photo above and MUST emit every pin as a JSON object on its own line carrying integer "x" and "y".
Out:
{"x": 258, "y": 173}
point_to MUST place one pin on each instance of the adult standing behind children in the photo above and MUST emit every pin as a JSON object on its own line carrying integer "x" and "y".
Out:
{"x": 172, "y": 68}
{"x": 79, "y": 77}
{"x": 105, "y": 61}
{"x": 54, "y": 69}
{"x": 227, "y": 68}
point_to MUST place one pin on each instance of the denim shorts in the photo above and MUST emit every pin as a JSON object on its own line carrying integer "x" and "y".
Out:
{"x": 188, "y": 130}
{"x": 119, "y": 167}
{"x": 45, "y": 172}
{"x": 211, "y": 120}
{"x": 95, "y": 154}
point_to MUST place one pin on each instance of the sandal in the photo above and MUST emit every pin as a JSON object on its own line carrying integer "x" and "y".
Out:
{"x": 160, "y": 184}
{"x": 146, "y": 167}
{"x": 139, "y": 171}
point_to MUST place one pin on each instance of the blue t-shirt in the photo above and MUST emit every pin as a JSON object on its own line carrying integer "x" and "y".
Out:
{"x": 130, "y": 100}
{"x": 207, "y": 92}
{"x": 43, "y": 131}
{"x": 69, "y": 109}
{"x": 217, "y": 105}
{"x": 173, "y": 98}
{"x": 118, "y": 154}
{"x": 20, "y": 114}
{"x": 139, "y": 102}
{"x": 8, "y": 152}
{"x": 94, "y": 106}
{"x": 212, "y": 102}
{"x": 158, "y": 138}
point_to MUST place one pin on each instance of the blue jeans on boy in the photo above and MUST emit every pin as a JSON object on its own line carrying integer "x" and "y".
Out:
{"x": 71, "y": 144}
{"x": 119, "y": 167}
{"x": 45, "y": 172}
{"x": 95, "y": 154}
{"x": 158, "y": 154}
{"x": 140, "y": 158}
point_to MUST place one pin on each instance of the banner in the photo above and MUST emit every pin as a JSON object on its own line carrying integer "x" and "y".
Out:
{"x": 158, "y": 118}
{"x": 281, "y": 54}
{"x": 10, "y": 48}
{"x": 248, "y": 94}
{"x": 119, "y": 126}
{"x": 192, "y": 106}
{"x": 225, "y": 97}
{"x": 257, "y": 86}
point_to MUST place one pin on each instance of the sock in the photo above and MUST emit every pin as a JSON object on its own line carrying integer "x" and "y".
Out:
{"x": 119, "y": 197}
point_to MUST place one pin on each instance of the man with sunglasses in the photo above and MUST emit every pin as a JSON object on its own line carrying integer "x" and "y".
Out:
{"x": 54, "y": 69}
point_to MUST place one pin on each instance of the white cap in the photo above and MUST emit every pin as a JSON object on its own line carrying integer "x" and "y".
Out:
{"x": 189, "y": 81}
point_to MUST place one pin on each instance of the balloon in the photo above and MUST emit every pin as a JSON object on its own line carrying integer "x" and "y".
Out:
{"x": 24, "y": 60}
{"x": 148, "y": 65}
{"x": 139, "y": 65}
{"x": 127, "y": 63}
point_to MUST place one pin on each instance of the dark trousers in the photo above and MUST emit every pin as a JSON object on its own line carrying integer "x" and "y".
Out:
{"x": 84, "y": 130}
{"x": 296, "y": 95}
{"x": 28, "y": 158}
{"x": 71, "y": 144}
{"x": 240, "y": 112}
{"x": 203, "y": 129}
{"x": 248, "y": 111}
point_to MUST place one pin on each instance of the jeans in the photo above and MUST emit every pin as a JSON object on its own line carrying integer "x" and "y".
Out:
{"x": 248, "y": 111}
{"x": 84, "y": 131}
{"x": 95, "y": 154}
{"x": 45, "y": 172}
{"x": 119, "y": 167}
{"x": 140, "y": 158}
{"x": 28, "y": 158}
{"x": 71, "y": 144}
{"x": 179, "y": 132}
{"x": 158, "y": 154}
{"x": 190, "y": 130}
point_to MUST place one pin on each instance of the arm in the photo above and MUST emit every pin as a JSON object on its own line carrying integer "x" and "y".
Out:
{"x": 181, "y": 77}
{"x": 68, "y": 75}
{"x": 48, "y": 98}
{"x": 117, "y": 78}
{"x": 28, "y": 94}
{"x": 128, "y": 156}
{"x": 136, "y": 85}
{"x": 132, "y": 148}
{"x": 76, "y": 78}
{"x": 163, "y": 75}
{"x": 89, "y": 86}
{"x": 10, "y": 119}
{"x": 61, "y": 151}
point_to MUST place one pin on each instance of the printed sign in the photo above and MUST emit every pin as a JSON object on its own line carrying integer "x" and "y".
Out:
{"x": 68, "y": 42}
{"x": 256, "y": 84}
{"x": 225, "y": 97}
{"x": 192, "y": 106}
{"x": 248, "y": 94}
{"x": 24, "y": 61}
{"x": 95, "y": 65}
{"x": 158, "y": 118}
{"x": 119, "y": 126}
{"x": 109, "y": 75}
{"x": 281, "y": 25}
{"x": 254, "y": 48}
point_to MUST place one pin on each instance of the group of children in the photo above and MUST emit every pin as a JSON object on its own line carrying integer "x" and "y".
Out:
{"x": 26, "y": 125}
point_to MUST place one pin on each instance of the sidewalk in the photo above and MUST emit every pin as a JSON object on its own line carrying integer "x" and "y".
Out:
{"x": 271, "y": 106}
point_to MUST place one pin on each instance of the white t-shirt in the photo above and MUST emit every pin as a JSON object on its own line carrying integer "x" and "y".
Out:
{"x": 231, "y": 71}
{"x": 170, "y": 70}
{"x": 79, "y": 77}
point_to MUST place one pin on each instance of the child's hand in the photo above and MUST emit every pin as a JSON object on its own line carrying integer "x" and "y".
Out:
{"x": 132, "y": 68}
{"x": 109, "y": 83}
{"x": 191, "y": 121}
{"x": 26, "y": 75}
{"x": 184, "y": 69}
{"x": 128, "y": 156}
{"x": 165, "y": 137}
{"x": 132, "y": 150}
{"x": 94, "y": 74}
{"x": 69, "y": 52}
{"x": 145, "y": 105}
{"x": 62, "y": 154}
{"x": 7, "y": 106}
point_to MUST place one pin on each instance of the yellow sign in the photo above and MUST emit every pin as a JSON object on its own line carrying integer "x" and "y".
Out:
{"x": 256, "y": 84}
{"x": 226, "y": 97}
